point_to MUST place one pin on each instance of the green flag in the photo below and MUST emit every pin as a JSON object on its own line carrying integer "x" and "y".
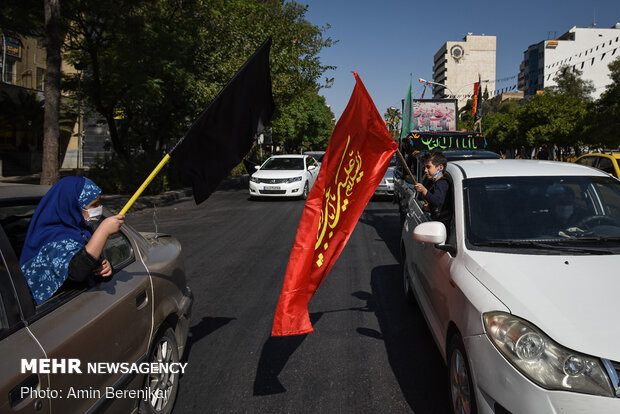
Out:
{"x": 407, "y": 113}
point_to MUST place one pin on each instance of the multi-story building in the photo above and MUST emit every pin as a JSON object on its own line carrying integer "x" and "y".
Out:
{"x": 22, "y": 74}
{"x": 587, "y": 49}
{"x": 458, "y": 64}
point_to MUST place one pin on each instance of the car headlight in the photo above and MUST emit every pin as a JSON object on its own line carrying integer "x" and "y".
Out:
{"x": 542, "y": 360}
{"x": 254, "y": 180}
{"x": 294, "y": 179}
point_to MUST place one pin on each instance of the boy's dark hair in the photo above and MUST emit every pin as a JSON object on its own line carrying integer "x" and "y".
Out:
{"x": 436, "y": 158}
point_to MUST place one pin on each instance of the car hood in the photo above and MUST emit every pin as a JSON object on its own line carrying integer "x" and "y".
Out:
{"x": 278, "y": 173}
{"x": 573, "y": 299}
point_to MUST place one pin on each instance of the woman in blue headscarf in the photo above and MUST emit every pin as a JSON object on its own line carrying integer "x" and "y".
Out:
{"x": 60, "y": 244}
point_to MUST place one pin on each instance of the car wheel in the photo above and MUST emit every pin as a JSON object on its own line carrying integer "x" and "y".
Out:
{"x": 162, "y": 387}
{"x": 304, "y": 194}
{"x": 461, "y": 387}
{"x": 406, "y": 283}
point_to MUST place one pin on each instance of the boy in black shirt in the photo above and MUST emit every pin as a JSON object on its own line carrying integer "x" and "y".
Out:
{"x": 437, "y": 193}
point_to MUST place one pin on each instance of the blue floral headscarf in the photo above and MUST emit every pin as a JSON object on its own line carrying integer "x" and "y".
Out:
{"x": 56, "y": 233}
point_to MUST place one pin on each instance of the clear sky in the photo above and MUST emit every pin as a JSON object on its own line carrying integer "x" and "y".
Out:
{"x": 386, "y": 40}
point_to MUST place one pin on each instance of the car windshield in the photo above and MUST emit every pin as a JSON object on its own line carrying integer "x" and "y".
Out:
{"x": 283, "y": 164}
{"x": 542, "y": 211}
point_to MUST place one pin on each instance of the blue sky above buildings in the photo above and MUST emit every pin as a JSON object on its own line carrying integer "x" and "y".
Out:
{"x": 384, "y": 41}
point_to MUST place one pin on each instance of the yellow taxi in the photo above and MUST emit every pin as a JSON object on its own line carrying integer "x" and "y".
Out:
{"x": 608, "y": 162}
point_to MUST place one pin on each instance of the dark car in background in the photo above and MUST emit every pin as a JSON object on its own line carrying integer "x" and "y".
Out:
{"x": 139, "y": 316}
{"x": 403, "y": 185}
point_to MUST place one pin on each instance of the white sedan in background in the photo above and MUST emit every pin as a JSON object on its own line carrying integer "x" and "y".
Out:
{"x": 284, "y": 176}
{"x": 521, "y": 291}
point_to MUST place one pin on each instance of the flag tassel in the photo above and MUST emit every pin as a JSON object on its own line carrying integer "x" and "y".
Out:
{"x": 145, "y": 184}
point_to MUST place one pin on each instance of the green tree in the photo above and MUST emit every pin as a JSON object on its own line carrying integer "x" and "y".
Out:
{"x": 553, "y": 119}
{"x": 160, "y": 63}
{"x": 569, "y": 83}
{"x": 307, "y": 124}
{"x": 392, "y": 119}
{"x": 605, "y": 121}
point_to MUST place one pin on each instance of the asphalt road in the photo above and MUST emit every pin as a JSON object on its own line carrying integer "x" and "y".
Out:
{"x": 370, "y": 352}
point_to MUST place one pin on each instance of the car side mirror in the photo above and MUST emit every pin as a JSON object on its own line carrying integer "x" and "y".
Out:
{"x": 311, "y": 167}
{"x": 433, "y": 232}
{"x": 257, "y": 167}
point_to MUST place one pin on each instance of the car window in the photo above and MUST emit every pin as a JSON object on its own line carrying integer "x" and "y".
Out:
{"x": 118, "y": 251}
{"x": 15, "y": 220}
{"x": 605, "y": 164}
{"x": 532, "y": 208}
{"x": 282, "y": 163}
{"x": 589, "y": 161}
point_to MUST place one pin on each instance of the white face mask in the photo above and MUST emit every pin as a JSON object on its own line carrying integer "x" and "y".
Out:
{"x": 564, "y": 212}
{"x": 94, "y": 214}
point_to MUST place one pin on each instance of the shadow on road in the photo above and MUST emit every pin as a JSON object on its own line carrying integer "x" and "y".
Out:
{"x": 205, "y": 327}
{"x": 412, "y": 353}
{"x": 273, "y": 358}
{"x": 387, "y": 224}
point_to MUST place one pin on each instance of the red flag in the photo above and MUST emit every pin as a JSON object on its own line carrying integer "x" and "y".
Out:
{"x": 475, "y": 99}
{"x": 356, "y": 159}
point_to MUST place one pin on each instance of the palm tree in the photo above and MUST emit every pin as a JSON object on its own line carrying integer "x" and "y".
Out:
{"x": 392, "y": 118}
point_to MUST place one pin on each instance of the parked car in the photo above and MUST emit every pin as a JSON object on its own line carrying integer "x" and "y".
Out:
{"x": 605, "y": 162}
{"x": 284, "y": 176}
{"x": 517, "y": 292}
{"x": 141, "y": 315}
{"x": 386, "y": 186}
{"x": 403, "y": 185}
{"x": 317, "y": 155}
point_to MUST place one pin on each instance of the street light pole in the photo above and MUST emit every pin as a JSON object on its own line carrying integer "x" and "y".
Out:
{"x": 454, "y": 95}
{"x": 435, "y": 83}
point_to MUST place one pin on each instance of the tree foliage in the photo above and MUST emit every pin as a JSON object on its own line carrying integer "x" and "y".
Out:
{"x": 392, "y": 119}
{"x": 159, "y": 64}
{"x": 563, "y": 116}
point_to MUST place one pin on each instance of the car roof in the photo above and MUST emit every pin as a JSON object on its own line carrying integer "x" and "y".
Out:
{"x": 289, "y": 156}
{"x": 459, "y": 154}
{"x": 9, "y": 191}
{"x": 525, "y": 168}
{"x": 615, "y": 155}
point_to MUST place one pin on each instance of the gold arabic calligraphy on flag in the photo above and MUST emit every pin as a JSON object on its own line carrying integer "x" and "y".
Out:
{"x": 337, "y": 200}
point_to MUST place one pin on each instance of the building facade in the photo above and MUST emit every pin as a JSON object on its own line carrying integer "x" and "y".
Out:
{"x": 22, "y": 80}
{"x": 587, "y": 49}
{"x": 458, "y": 64}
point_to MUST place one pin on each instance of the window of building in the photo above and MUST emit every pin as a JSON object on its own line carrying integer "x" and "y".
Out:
{"x": 9, "y": 71}
{"x": 592, "y": 62}
{"x": 40, "y": 79}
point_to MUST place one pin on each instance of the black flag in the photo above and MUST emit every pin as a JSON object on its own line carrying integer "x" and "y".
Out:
{"x": 223, "y": 134}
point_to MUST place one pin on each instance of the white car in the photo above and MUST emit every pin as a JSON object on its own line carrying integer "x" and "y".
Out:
{"x": 521, "y": 292}
{"x": 386, "y": 186}
{"x": 284, "y": 176}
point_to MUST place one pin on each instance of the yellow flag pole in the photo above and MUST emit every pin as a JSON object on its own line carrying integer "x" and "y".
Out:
{"x": 145, "y": 183}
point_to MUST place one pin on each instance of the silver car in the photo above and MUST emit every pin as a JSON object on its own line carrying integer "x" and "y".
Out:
{"x": 140, "y": 316}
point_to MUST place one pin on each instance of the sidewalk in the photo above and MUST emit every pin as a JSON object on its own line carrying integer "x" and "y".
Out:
{"x": 115, "y": 202}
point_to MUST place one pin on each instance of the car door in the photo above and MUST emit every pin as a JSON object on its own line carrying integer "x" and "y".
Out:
{"x": 432, "y": 267}
{"x": 312, "y": 172}
{"x": 107, "y": 324}
{"x": 20, "y": 392}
